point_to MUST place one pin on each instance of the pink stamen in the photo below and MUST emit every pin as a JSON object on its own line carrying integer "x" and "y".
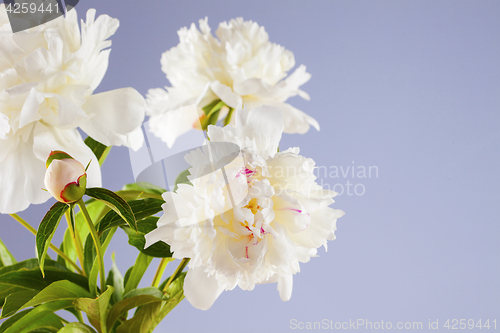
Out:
{"x": 247, "y": 172}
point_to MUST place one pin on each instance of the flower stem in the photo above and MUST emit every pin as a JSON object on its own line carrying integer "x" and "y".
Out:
{"x": 76, "y": 236}
{"x": 228, "y": 117}
{"x": 97, "y": 242}
{"x": 160, "y": 270}
{"x": 178, "y": 271}
{"x": 52, "y": 246}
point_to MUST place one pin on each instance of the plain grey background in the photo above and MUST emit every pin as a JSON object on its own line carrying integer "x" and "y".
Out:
{"x": 410, "y": 87}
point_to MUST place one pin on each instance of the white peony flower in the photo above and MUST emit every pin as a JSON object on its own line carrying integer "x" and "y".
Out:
{"x": 240, "y": 65}
{"x": 251, "y": 222}
{"x": 47, "y": 78}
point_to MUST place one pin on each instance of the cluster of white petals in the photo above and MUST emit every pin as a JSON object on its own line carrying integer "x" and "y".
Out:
{"x": 47, "y": 78}
{"x": 251, "y": 222}
{"x": 241, "y": 65}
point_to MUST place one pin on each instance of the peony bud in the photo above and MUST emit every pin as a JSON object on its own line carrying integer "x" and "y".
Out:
{"x": 65, "y": 177}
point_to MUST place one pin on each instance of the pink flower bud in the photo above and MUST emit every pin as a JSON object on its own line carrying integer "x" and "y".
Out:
{"x": 65, "y": 177}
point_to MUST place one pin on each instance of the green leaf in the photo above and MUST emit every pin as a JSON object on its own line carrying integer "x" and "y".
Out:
{"x": 15, "y": 301}
{"x": 141, "y": 265}
{"x": 49, "y": 323}
{"x": 91, "y": 265}
{"x": 6, "y": 258}
{"x": 148, "y": 316}
{"x": 47, "y": 229}
{"x": 76, "y": 328}
{"x": 96, "y": 309}
{"x": 138, "y": 240}
{"x": 132, "y": 300}
{"x": 100, "y": 151}
{"x": 11, "y": 321}
{"x": 31, "y": 264}
{"x": 33, "y": 279}
{"x": 143, "y": 320}
{"x": 141, "y": 208}
{"x": 38, "y": 317}
{"x": 96, "y": 209}
{"x": 115, "y": 279}
{"x": 127, "y": 276}
{"x": 115, "y": 202}
{"x": 182, "y": 178}
{"x": 175, "y": 291}
{"x": 144, "y": 187}
{"x": 61, "y": 260}
{"x": 59, "y": 290}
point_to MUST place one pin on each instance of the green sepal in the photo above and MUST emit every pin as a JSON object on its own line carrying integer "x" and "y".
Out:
{"x": 57, "y": 155}
{"x": 75, "y": 191}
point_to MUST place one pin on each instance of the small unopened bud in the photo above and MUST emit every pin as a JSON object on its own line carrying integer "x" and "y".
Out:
{"x": 65, "y": 177}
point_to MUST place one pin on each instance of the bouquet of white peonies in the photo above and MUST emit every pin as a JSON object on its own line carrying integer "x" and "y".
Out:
{"x": 244, "y": 211}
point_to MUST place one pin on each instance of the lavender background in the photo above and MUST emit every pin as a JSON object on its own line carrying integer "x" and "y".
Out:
{"x": 410, "y": 87}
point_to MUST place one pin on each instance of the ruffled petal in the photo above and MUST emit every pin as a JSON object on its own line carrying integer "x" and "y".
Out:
{"x": 264, "y": 125}
{"x": 200, "y": 289}
{"x": 285, "y": 284}
{"x": 225, "y": 94}
{"x": 114, "y": 115}
{"x": 171, "y": 125}
{"x": 21, "y": 179}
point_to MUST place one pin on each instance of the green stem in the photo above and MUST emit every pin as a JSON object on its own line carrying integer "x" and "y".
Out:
{"x": 76, "y": 236}
{"x": 52, "y": 246}
{"x": 177, "y": 272}
{"x": 228, "y": 117}
{"x": 160, "y": 270}
{"x": 97, "y": 242}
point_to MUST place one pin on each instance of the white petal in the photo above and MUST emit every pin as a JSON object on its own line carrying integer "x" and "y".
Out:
{"x": 159, "y": 234}
{"x": 249, "y": 87}
{"x": 29, "y": 112}
{"x": 171, "y": 125}
{"x": 263, "y": 124}
{"x": 4, "y": 126}
{"x": 225, "y": 94}
{"x": 285, "y": 284}
{"x": 114, "y": 115}
{"x": 200, "y": 289}
{"x": 295, "y": 121}
{"x": 21, "y": 179}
